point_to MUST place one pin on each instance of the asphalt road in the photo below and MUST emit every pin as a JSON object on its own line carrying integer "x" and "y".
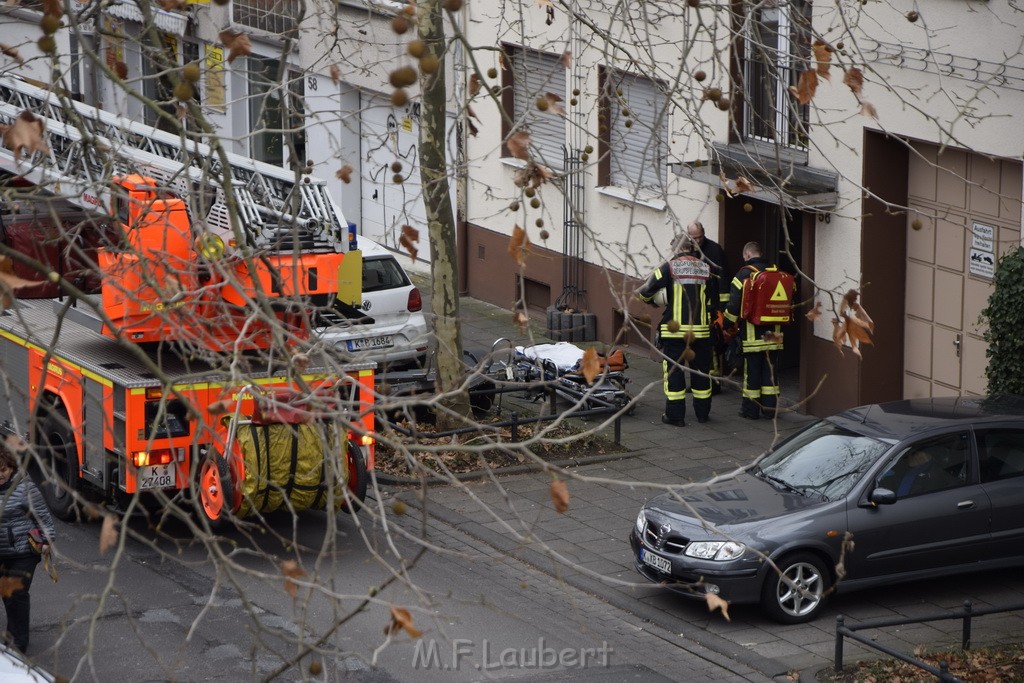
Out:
{"x": 160, "y": 608}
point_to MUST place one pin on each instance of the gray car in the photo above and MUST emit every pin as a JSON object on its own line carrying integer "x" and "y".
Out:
{"x": 875, "y": 495}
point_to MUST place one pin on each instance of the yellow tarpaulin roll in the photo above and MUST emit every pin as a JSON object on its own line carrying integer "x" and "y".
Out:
{"x": 291, "y": 462}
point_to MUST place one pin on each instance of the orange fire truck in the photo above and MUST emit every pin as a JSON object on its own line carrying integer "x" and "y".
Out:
{"x": 178, "y": 372}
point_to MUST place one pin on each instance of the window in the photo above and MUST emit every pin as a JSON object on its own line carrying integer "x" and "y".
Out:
{"x": 1001, "y": 454}
{"x": 275, "y": 113}
{"x": 633, "y": 131}
{"x": 83, "y": 68}
{"x": 156, "y": 86}
{"x": 527, "y": 76}
{"x": 776, "y": 48}
{"x": 273, "y": 16}
{"x": 933, "y": 466}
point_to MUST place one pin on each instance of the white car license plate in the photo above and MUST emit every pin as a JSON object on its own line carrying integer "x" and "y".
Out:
{"x": 656, "y": 561}
{"x": 369, "y": 343}
{"x": 157, "y": 477}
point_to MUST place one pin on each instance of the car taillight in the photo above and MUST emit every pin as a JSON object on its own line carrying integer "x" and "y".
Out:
{"x": 415, "y": 300}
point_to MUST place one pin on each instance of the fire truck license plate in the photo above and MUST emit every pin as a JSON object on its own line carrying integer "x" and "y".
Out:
{"x": 156, "y": 477}
{"x": 384, "y": 342}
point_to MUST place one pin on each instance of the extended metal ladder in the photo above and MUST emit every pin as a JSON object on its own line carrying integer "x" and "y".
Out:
{"x": 88, "y": 145}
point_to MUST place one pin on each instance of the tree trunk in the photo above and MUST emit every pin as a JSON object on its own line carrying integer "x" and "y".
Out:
{"x": 440, "y": 218}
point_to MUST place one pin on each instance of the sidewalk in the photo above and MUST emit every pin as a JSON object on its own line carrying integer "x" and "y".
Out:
{"x": 515, "y": 514}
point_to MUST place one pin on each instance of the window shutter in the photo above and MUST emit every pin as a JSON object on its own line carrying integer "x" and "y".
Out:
{"x": 639, "y": 153}
{"x": 537, "y": 73}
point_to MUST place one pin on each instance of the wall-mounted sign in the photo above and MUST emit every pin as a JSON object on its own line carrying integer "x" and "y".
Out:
{"x": 982, "y": 261}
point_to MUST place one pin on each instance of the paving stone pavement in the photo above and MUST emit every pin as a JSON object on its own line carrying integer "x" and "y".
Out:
{"x": 587, "y": 546}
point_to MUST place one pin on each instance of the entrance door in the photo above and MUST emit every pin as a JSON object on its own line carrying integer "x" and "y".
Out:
{"x": 964, "y": 213}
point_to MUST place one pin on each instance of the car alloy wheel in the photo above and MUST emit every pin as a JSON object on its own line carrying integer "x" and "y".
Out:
{"x": 796, "y": 593}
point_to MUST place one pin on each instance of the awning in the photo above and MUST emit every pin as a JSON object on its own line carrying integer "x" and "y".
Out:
{"x": 775, "y": 180}
{"x": 169, "y": 22}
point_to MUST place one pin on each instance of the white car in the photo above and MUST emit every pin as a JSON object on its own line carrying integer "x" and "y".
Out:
{"x": 398, "y": 338}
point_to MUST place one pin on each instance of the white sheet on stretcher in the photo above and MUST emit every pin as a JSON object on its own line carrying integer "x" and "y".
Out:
{"x": 565, "y": 355}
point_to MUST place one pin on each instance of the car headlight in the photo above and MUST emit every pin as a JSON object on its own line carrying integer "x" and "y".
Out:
{"x": 720, "y": 551}
{"x": 641, "y": 519}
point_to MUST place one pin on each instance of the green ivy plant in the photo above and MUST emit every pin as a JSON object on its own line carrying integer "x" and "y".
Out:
{"x": 1004, "y": 316}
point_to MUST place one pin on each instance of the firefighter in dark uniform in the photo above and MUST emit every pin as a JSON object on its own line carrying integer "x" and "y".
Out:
{"x": 761, "y": 344}
{"x": 684, "y": 335}
{"x": 711, "y": 253}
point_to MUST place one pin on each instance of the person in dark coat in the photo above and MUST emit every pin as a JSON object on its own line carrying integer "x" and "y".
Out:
{"x": 23, "y": 511}
{"x": 762, "y": 344}
{"x": 684, "y": 335}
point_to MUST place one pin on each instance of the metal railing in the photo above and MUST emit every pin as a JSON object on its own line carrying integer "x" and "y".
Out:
{"x": 966, "y": 614}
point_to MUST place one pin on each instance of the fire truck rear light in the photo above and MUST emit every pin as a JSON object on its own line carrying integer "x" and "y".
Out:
{"x": 154, "y": 393}
{"x": 366, "y": 440}
{"x": 146, "y": 458}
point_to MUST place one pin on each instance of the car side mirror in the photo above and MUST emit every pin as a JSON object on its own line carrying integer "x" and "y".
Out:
{"x": 882, "y": 496}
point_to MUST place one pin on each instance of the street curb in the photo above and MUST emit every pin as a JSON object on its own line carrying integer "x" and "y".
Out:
{"x": 528, "y": 468}
{"x": 695, "y": 638}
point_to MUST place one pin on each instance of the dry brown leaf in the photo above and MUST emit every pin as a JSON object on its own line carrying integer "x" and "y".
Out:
{"x": 521, "y": 320}
{"x": 474, "y": 84}
{"x": 559, "y": 496}
{"x": 566, "y": 59}
{"x": 344, "y": 174}
{"x": 12, "y": 53}
{"x": 335, "y": 74}
{"x": 473, "y": 130}
{"x": 863, "y": 315}
{"x": 590, "y": 366}
{"x": 25, "y": 135}
{"x": 471, "y": 113}
{"x": 854, "y": 80}
{"x": 519, "y": 144}
{"x": 407, "y": 243}
{"x": 171, "y": 5}
{"x": 815, "y": 312}
{"x": 108, "y": 533}
{"x": 291, "y": 570}
{"x": 805, "y": 88}
{"x": 300, "y": 361}
{"x": 54, "y": 7}
{"x": 519, "y": 246}
{"x": 868, "y": 109}
{"x": 412, "y": 233}
{"x": 543, "y": 3}
{"x": 10, "y": 282}
{"x": 121, "y": 69}
{"x": 773, "y": 337}
{"x": 220, "y": 407}
{"x": 744, "y": 185}
{"x": 715, "y": 602}
{"x": 238, "y": 44}
{"x": 554, "y": 103}
{"x": 823, "y": 56}
{"x": 856, "y": 330}
{"x": 838, "y": 335}
{"x": 9, "y": 585}
{"x": 15, "y": 444}
{"x": 401, "y": 620}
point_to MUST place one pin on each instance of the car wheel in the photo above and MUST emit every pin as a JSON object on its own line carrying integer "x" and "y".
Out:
{"x": 796, "y": 592}
{"x": 358, "y": 478}
{"x": 57, "y": 478}
{"x": 215, "y": 492}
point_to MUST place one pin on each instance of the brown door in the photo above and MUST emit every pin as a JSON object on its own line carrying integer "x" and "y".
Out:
{"x": 965, "y": 213}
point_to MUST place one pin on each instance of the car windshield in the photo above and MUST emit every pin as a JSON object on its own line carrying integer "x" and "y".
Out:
{"x": 823, "y": 459}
